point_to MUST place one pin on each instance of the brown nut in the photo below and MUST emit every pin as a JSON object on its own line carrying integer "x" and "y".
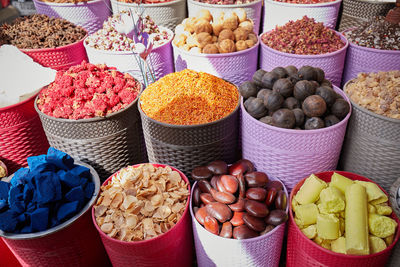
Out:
{"x": 210, "y": 49}
{"x": 226, "y": 34}
{"x": 203, "y": 25}
{"x": 241, "y": 34}
{"x": 241, "y": 45}
{"x": 248, "y": 25}
{"x": 204, "y": 14}
{"x": 203, "y": 39}
{"x": 252, "y": 37}
{"x": 231, "y": 22}
{"x": 211, "y": 225}
{"x": 227, "y": 46}
{"x": 226, "y": 230}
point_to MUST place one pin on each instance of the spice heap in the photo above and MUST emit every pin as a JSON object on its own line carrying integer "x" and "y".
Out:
{"x": 145, "y": 1}
{"x": 189, "y": 97}
{"x": 3, "y": 170}
{"x": 140, "y": 203}
{"x": 50, "y": 192}
{"x": 238, "y": 201}
{"x": 345, "y": 216}
{"x": 376, "y": 33}
{"x": 86, "y": 91}
{"x": 293, "y": 99}
{"x": 377, "y": 92}
{"x": 65, "y": 1}
{"x": 40, "y": 31}
{"x": 303, "y": 37}
{"x": 305, "y": 1}
{"x": 226, "y": 33}
{"x": 225, "y": 2}
{"x": 108, "y": 38}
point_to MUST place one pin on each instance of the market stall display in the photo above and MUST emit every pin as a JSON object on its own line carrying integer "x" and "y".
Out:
{"x": 142, "y": 216}
{"x": 305, "y": 42}
{"x": 234, "y": 209}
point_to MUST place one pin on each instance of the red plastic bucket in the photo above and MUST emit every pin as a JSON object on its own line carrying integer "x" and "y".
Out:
{"x": 302, "y": 251}
{"x": 7, "y": 259}
{"x": 173, "y": 248}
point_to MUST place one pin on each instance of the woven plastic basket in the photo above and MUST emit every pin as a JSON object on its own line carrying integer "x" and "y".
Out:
{"x": 331, "y": 63}
{"x": 161, "y": 59}
{"x": 107, "y": 143}
{"x": 372, "y": 146}
{"x": 236, "y": 67}
{"x": 355, "y": 12}
{"x": 171, "y": 249}
{"x": 168, "y": 14}
{"x": 89, "y": 14}
{"x": 213, "y": 250}
{"x": 253, "y": 10}
{"x": 279, "y": 13}
{"x": 21, "y": 134}
{"x": 288, "y": 154}
{"x": 302, "y": 251}
{"x": 7, "y": 258}
{"x": 72, "y": 243}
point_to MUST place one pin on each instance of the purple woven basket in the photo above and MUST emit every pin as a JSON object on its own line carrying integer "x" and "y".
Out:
{"x": 288, "y": 154}
{"x": 90, "y": 15}
{"x": 236, "y": 67}
{"x": 213, "y": 250}
{"x": 331, "y": 63}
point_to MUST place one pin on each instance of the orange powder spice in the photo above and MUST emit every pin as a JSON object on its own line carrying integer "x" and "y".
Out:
{"x": 188, "y": 98}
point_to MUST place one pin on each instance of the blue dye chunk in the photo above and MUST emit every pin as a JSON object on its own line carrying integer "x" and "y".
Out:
{"x": 8, "y": 221}
{"x": 81, "y": 171}
{"x": 89, "y": 190}
{"x": 34, "y": 161}
{"x": 40, "y": 219}
{"x": 4, "y": 188}
{"x": 67, "y": 210}
{"x": 60, "y": 159}
{"x": 75, "y": 194}
{"x": 18, "y": 206}
{"x": 15, "y": 194}
{"x": 19, "y": 176}
{"x": 69, "y": 179}
{"x": 3, "y": 204}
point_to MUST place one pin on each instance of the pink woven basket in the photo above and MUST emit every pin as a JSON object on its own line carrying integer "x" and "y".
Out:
{"x": 213, "y": 250}
{"x": 21, "y": 134}
{"x": 90, "y": 15}
{"x": 171, "y": 249}
{"x": 236, "y": 67}
{"x": 302, "y": 251}
{"x": 289, "y": 154}
{"x": 331, "y": 63}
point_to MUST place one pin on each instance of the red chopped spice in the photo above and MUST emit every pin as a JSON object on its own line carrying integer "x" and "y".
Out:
{"x": 305, "y": 1}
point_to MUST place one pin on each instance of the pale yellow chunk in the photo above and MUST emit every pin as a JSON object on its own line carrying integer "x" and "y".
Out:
{"x": 371, "y": 208}
{"x": 389, "y": 240}
{"x": 310, "y": 190}
{"x": 322, "y": 209}
{"x": 374, "y": 193}
{"x": 332, "y": 200}
{"x": 376, "y": 244}
{"x": 383, "y": 209}
{"x": 328, "y": 226}
{"x": 294, "y": 204}
{"x": 307, "y": 214}
{"x": 340, "y": 182}
{"x": 310, "y": 231}
{"x": 339, "y": 245}
{"x": 342, "y": 226}
{"x": 322, "y": 242}
{"x": 381, "y": 226}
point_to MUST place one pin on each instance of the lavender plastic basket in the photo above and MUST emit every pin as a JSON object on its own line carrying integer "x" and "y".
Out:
{"x": 331, "y": 63}
{"x": 236, "y": 67}
{"x": 288, "y": 154}
{"x": 278, "y": 13}
{"x": 90, "y": 15}
{"x": 213, "y": 250}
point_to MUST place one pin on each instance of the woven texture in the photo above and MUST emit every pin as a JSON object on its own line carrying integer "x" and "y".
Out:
{"x": 171, "y": 249}
{"x": 212, "y": 250}
{"x": 108, "y": 144}
{"x": 90, "y": 15}
{"x": 362, "y": 59}
{"x": 236, "y": 67}
{"x": 331, "y": 63}
{"x": 304, "y": 252}
{"x": 290, "y": 155}
{"x": 160, "y": 57}
{"x": 253, "y": 10}
{"x": 7, "y": 257}
{"x": 278, "y": 13}
{"x": 21, "y": 134}
{"x": 167, "y": 14}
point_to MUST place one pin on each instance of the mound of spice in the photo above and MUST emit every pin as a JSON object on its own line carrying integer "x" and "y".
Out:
{"x": 303, "y": 37}
{"x": 65, "y": 1}
{"x": 86, "y": 91}
{"x": 377, "y": 92}
{"x": 305, "y": 1}
{"x": 189, "y": 97}
{"x": 225, "y": 2}
{"x": 376, "y": 33}
{"x": 40, "y": 31}
{"x": 145, "y": 1}
{"x": 141, "y": 202}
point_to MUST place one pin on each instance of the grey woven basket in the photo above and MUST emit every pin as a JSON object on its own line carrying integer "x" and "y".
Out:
{"x": 395, "y": 257}
{"x": 106, "y": 143}
{"x": 372, "y": 146}
{"x": 189, "y": 146}
{"x": 355, "y": 12}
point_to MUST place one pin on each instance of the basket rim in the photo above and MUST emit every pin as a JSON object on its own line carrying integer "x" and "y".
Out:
{"x": 142, "y": 242}
{"x": 371, "y": 113}
{"x": 370, "y": 2}
{"x": 327, "y": 251}
{"x": 334, "y": 53}
{"x": 56, "y": 49}
{"x": 335, "y": 2}
{"x": 216, "y": 6}
{"x": 79, "y": 4}
{"x": 88, "y": 205}
{"x": 303, "y": 132}
{"x": 147, "y": 5}
{"x": 7, "y": 108}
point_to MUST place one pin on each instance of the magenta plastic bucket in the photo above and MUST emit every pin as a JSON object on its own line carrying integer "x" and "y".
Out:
{"x": 288, "y": 154}
{"x": 90, "y": 15}
{"x": 331, "y": 63}
{"x": 213, "y": 250}
{"x": 171, "y": 249}
{"x": 236, "y": 67}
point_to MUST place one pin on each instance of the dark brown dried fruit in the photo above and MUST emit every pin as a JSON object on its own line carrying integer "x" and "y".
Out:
{"x": 280, "y": 71}
{"x": 284, "y": 87}
{"x": 327, "y": 93}
{"x": 269, "y": 79}
{"x": 331, "y": 120}
{"x": 340, "y": 108}
{"x": 256, "y": 108}
{"x": 303, "y": 89}
{"x": 291, "y": 103}
{"x": 314, "y": 123}
{"x": 257, "y": 77}
{"x": 273, "y": 102}
{"x": 248, "y": 89}
{"x": 314, "y": 106}
{"x": 307, "y": 73}
{"x": 299, "y": 116}
{"x": 284, "y": 118}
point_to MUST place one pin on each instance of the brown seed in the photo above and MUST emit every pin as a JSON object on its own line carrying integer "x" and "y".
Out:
{"x": 237, "y": 218}
{"x": 243, "y": 232}
{"x": 211, "y": 225}
{"x": 276, "y": 217}
{"x": 257, "y": 193}
{"x": 214, "y": 180}
{"x": 230, "y": 183}
{"x": 201, "y": 173}
{"x": 267, "y": 229}
{"x": 256, "y": 209}
{"x": 223, "y": 197}
{"x": 218, "y": 167}
{"x": 204, "y": 186}
{"x": 238, "y": 206}
{"x": 196, "y": 196}
{"x": 276, "y": 184}
{"x": 256, "y": 179}
{"x": 220, "y": 187}
{"x": 281, "y": 200}
{"x": 239, "y": 167}
{"x": 254, "y": 223}
{"x": 201, "y": 215}
{"x": 226, "y": 230}
{"x": 206, "y": 198}
{"x": 219, "y": 211}
{"x": 271, "y": 196}
{"x": 242, "y": 185}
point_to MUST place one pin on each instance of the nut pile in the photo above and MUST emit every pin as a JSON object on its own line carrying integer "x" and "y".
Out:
{"x": 377, "y": 92}
{"x": 304, "y": 1}
{"x": 303, "y": 37}
{"x": 293, "y": 99}
{"x": 40, "y": 31}
{"x": 226, "y": 33}
{"x": 225, "y": 2}
{"x": 86, "y": 91}
{"x": 140, "y": 203}
{"x": 376, "y": 33}
{"x": 237, "y": 201}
